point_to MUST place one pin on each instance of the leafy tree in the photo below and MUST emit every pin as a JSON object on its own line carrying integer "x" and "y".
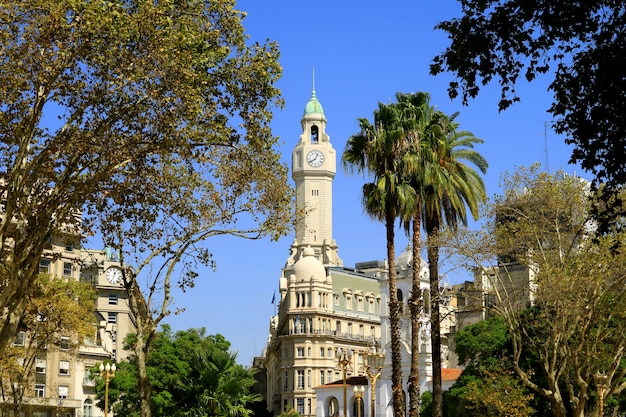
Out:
{"x": 417, "y": 158}
{"x": 451, "y": 187}
{"x": 289, "y": 412}
{"x": 559, "y": 287}
{"x": 61, "y": 315}
{"x": 217, "y": 386}
{"x": 151, "y": 119}
{"x": 192, "y": 374}
{"x": 415, "y": 117}
{"x": 579, "y": 43}
{"x": 487, "y": 386}
{"x": 378, "y": 149}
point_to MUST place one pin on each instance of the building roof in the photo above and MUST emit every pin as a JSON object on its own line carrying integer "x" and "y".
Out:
{"x": 351, "y": 381}
{"x": 313, "y": 106}
{"x": 450, "y": 374}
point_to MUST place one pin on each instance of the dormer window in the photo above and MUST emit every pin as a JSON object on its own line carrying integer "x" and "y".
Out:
{"x": 315, "y": 138}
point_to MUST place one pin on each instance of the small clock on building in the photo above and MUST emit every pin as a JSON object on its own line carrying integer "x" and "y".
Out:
{"x": 315, "y": 158}
{"x": 114, "y": 275}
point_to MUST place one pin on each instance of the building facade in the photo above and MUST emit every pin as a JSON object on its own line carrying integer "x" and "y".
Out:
{"x": 322, "y": 306}
{"x": 60, "y": 383}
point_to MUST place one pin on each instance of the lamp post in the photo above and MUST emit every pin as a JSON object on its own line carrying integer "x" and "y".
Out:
{"x": 373, "y": 364}
{"x": 601, "y": 380}
{"x": 107, "y": 372}
{"x": 344, "y": 359}
{"x": 358, "y": 394}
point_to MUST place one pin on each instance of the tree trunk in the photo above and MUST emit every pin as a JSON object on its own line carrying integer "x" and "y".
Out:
{"x": 435, "y": 319}
{"x": 394, "y": 324}
{"x": 143, "y": 383}
{"x": 415, "y": 306}
{"x": 146, "y": 330}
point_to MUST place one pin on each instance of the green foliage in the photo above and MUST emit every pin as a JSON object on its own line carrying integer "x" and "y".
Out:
{"x": 147, "y": 122}
{"x": 60, "y": 315}
{"x": 289, "y": 412}
{"x": 191, "y": 374}
{"x": 479, "y": 343}
{"x": 426, "y": 406}
{"x": 487, "y": 386}
{"x": 575, "y": 43}
{"x": 557, "y": 284}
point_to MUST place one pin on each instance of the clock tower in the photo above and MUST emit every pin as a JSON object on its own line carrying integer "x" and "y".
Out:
{"x": 314, "y": 163}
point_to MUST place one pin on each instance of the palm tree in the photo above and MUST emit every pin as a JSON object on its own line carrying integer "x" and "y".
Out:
{"x": 378, "y": 149}
{"x": 217, "y": 386}
{"x": 450, "y": 187}
{"x": 415, "y": 117}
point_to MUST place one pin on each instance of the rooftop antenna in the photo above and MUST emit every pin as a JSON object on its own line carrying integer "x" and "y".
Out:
{"x": 545, "y": 140}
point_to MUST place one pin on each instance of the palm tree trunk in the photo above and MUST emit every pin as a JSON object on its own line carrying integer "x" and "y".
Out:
{"x": 394, "y": 323}
{"x": 435, "y": 319}
{"x": 415, "y": 306}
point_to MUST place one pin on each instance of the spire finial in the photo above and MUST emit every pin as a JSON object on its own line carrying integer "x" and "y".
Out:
{"x": 313, "y": 80}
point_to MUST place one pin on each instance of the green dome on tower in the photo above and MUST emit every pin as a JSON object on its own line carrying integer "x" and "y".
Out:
{"x": 313, "y": 106}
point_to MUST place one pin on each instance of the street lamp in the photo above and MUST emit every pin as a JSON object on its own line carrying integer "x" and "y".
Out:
{"x": 107, "y": 372}
{"x": 358, "y": 393}
{"x": 601, "y": 380}
{"x": 344, "y": 359}
{"x": 373, "y": 364}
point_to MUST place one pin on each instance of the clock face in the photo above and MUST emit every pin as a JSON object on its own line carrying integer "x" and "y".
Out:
{"x": 315, "y": 158}
{"x": 114, "y": 275}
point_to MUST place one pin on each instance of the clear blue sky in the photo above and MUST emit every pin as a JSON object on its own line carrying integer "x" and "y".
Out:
{"x": 363, "y": 53}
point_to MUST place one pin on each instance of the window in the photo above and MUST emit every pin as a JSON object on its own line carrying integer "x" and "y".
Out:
{"x": 300, "y": 406}
{"x": 40, "y": 390}
{"x": 371, "y": 305}
{"x": 349, "y": 302}
{"x": 300, "y": 352}
{"x": 67, "y": 269}
{"x": 359, "y": 303}
{"x": 338, "y": 326}
{"x": 88, "y": 408}
{"x": 308, "y": 379}
{"x": 65, "y": 343}
{"x": 336, "y": 299}
{"x": 322, "y": 374}
{"x": 112, "y": 318}
{"x": 44, "y": 266}
{"x": 114, "y": 336}
{"x": 63, "y": 391}
{"x": 300, "y": 378}
{"x": 372, "y": 331}
{"x": 40, "y": 366}
{"x": 308, "y": 352}
{"x": 309, "y": 406}
{"x": 330, "y": 376}
{"x": 64, "y": 368}
{"x": 69, "y": 247}
{"x": 330, "y": 352}
{"x": 315, "y": 134}
{"x": 112, "y": 299}
{"x": 20, "y": 339}
{"x": 361, "y": 330}
{"x": 286, "y": 382}
{"x": 349, "y": 328}
{"x": 322, "y": 351}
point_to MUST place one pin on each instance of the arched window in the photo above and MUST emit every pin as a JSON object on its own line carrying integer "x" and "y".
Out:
{"x": 88, "y": 408}
{"x": 315, "y": 134}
